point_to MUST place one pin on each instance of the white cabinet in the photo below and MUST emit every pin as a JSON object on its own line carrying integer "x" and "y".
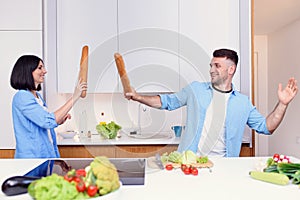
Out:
{"x": 204, "y": 27}
{"x": 165, "y": 44}
{"x": 21, "y": 15}
{"x": 148, "y": 41}
{"x": 144, "y": 32}
{"x": 20, "y": 34}
{"x": 13, "y": 45}
{"x": 92, "y": 23}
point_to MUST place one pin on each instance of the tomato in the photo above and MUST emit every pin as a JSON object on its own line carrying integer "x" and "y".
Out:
{"x": 169, "y": 167}
{"x": 80, "y": 186}
{"x": 68, "y": 178}
{"x": 80, "y": 172}
{"x": 92, "y": 190}
{"x": 183, "y": 167}
{"x": 187, "y": 171}
{"x": 194, "y": 171}
{"x": 76, "y": 179}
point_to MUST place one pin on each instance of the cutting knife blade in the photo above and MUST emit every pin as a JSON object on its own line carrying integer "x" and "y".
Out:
{"x": 158, "y": 161}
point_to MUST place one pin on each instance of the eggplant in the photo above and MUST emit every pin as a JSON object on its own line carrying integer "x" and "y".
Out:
{"x": 17, "y": 185}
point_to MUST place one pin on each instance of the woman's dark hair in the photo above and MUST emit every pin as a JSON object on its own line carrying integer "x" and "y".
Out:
{"x": 21, "y": 76}
{"x": 228, "y": 53}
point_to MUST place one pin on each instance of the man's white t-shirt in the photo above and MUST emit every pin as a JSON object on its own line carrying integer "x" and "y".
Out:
{"x": 219, "y": 147}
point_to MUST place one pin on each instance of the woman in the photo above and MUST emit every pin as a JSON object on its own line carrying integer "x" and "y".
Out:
{"x": 33, "y": 123}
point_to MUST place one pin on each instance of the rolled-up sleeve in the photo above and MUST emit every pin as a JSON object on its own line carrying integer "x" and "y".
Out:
{"x": 257, "y": 122}
{"x": 35, "y": 113}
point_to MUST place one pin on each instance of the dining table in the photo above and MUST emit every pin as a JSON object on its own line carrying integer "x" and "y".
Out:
{"x": 227, "y": 179}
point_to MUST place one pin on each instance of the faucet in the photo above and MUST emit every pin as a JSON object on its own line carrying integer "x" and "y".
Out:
{"x": 139, "y": 131}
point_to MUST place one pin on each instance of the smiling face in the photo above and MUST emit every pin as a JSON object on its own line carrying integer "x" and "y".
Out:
{"x": 39, "y": 74}
{"x": 221, "y": 71}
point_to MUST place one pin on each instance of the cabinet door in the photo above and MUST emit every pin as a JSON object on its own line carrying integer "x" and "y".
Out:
{"x": 13, "y": 45}
{"x": 21, "y": 15}
{"x": 204, "y": 27}
{"x": 92, "y": 23}
{"x": 148, "y": 41}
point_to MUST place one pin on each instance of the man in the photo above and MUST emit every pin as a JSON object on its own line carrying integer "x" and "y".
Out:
{"x": 216, "y": 112}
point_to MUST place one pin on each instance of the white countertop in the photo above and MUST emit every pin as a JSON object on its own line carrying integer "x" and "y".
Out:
{"x": 229, "y": 180}
{"x": 124, "y": 139}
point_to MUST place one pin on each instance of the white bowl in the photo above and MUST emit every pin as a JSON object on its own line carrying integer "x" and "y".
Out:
{"x": 68, "y": 134}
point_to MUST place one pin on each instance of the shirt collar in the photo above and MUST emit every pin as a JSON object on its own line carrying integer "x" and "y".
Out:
{"x": 209, "y": 86}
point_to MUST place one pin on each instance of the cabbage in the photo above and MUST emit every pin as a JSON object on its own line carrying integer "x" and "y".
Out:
{"x": 175, "y": 157}
{"x": 189, "y": 157}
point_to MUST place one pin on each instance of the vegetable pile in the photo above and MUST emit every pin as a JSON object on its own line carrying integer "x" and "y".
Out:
{"x": 279, "y": 170}
{"x": 187, "y": 157}
{"x": 187, "y": 161}
{"x": 108, "y": 131}
{"x": 97, "y": 179}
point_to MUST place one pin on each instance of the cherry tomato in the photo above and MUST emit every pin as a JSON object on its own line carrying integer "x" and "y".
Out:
{"x": 92, "y": 190}
{"x": 194, "y": 171}
{"x": 187, "y": 171}
{"x": 80, "y": 186}
{"x": 80, "y": 172}
{"x": 68, "y": 178}
{"x": 76, "y": 179}
{"x": 169, "y": 167}
{"x": 183, "y": 167}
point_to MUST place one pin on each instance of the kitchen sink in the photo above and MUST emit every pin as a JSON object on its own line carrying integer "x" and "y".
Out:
{"x": 148, "y": 135}
{"x": 151, "y": 136}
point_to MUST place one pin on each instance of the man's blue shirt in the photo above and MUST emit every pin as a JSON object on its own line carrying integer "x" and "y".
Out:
{"x": 197, "y": 97}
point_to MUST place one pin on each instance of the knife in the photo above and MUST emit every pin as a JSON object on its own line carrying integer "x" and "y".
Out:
{"x": 158, "y": 161}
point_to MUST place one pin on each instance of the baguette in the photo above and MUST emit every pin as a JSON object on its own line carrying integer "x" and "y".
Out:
{"x": 122, "y": 73}
{"x": 83, "y": 73}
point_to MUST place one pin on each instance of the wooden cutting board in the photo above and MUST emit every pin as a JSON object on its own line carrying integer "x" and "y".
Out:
{"x": 152, "y": 164}
{"x": 209, "y": 164}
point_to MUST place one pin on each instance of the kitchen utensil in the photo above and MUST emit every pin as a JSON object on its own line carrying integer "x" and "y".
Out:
{"x": 178, "y": 130}
{"x": 84, "y": 67}
{"x": 68, "y": 134}
{"x": 158, "y": 161}
{"x": 122, "y": 73}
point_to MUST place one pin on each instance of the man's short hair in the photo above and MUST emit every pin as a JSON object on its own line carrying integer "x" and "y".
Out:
{"x": 228, "y": 53}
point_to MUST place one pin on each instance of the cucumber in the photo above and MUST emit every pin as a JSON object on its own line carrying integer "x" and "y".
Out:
{"x": 270, "y": 177}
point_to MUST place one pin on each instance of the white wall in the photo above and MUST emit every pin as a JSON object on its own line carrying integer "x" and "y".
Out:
{"x": 20, "y": 34}
{"x": 261, "y": 89}
{"x": 283, "y": 62}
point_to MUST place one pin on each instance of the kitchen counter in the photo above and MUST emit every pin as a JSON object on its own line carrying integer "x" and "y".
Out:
{"x": 229, "y": 180}
{"x": 123, "y": 139}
